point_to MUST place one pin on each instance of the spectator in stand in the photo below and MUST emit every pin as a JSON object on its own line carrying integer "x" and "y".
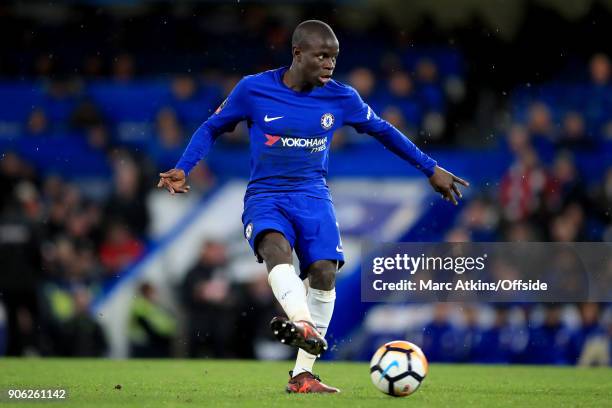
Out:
{"x": 481, "y": 218}
{"x": 13, "y": 170}
{"x": 72, "y": 277}
{"x": 517, "y": 140}
{"x": 67, "y": 327}
{"x": 568, "y": 225}
{"x": 82, "y": 335}
{"x": 566, "y": 184}
{"x": 495, "y": 346}
{"x": 522, "y": 232}
{"x": 458, "y": 234}
{"x": 20, "y": 266}
{"x": 598, "y": 100}
{"x": 86, "y": 115}
{"x": 469, "y": 336}
{"x": 126, "y": 202}
{"x": 152, "y": 326}
{"x": 56, "y": 219}
{"x": 541, "y": 129}
{"x": 119, "y": 249}
{"x": 403, "y": 96}
{"x": 98, "y": 138}
{"x": 207, "y": 299}
{"x": 184, "y": 99}
{"x": 53, "y": 188}
{"x": 588, "y": 334}
{"x": 45, "y": 66}
{"x": 75, "y": 264}
{"x": 573, "y": 132}
{"x": 95, "y": 220}
{"x": 428, "y": 85}
{"x": 432, "y": 99}
{"x": 78, "y": 227}
{"x": 184, "y": 88}
{"x": 62, "y": 200}
{"x": 169, "y": 142}
{"x": 523, "y": 187}
{"x": 600, "y": 70}
{"x": 123, "y": 67}
{"x": 38, "y": 124}
{"x": 389, "y": 63}
{"x": 60, "y": 100}
{"x": 93, "y": 66}
{"x": 439, "y": 337}
{"x": 364, "y": 82}
{"x": 193, "y": 103}
{"x": 394, "y": 116}
{"x": 549, "y": 341}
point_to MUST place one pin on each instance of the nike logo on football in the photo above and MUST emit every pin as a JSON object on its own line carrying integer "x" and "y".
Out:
{"x": 267, "y": 119}
{"x": 394, "y": 363}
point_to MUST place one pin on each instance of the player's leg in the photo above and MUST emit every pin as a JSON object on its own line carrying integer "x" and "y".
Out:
{"x": 298, "y": 329}
{"x": 320, "y": 252}
{"x": 320, "y": 299}
{"x": 271, "y": 235}
{"x": 288, "y": 288}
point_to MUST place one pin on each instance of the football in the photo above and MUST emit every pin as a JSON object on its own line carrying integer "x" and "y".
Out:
{"x": 398, "y": 368}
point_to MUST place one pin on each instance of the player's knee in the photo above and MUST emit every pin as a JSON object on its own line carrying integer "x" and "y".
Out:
{"x": 322, "y": 275}
{"x": 274, "y": 249}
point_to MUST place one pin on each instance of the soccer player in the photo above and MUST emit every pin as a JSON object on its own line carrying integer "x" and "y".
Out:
{"x": 292, "y": 114}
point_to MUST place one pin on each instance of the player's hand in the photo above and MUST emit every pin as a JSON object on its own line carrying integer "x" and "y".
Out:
{"x": 174, "y": 181}
{"x": 445, "y": 183}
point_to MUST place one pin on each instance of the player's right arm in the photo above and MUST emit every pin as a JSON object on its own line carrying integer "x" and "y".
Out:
{"x": 233, "y": 110}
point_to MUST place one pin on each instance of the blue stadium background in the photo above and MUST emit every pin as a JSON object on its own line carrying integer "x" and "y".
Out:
{"x": 95, "y": 100}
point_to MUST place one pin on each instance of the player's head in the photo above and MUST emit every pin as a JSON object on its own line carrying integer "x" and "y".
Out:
{"x": 315, "y": 49}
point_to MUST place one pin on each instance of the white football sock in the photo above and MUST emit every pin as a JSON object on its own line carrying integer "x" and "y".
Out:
{"x": 321, "y": 305}
{"x": 290, "y": 292}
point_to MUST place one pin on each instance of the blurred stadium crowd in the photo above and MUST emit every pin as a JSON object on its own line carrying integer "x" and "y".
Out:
{"x": 80, "y": 154}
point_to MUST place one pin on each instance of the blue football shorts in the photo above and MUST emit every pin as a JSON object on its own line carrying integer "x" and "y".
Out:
{"x": 308, "y": 223}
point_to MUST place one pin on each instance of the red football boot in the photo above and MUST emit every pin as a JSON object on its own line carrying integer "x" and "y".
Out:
{"x": 307, "y": 382}
{"x": 300, "y": 334}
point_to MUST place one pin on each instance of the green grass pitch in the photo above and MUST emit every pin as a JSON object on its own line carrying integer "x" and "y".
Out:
{"x": 216, "y": 383}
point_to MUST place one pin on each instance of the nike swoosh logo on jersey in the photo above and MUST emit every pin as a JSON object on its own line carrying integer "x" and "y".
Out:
{"x": 267, "y": 119}
{"x": 339, "y": 248}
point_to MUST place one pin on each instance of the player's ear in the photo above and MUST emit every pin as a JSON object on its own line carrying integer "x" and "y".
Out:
{"x": 297, "y": 53}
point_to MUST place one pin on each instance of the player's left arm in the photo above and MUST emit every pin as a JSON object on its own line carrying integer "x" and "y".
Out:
{"x": 359, "y": 115}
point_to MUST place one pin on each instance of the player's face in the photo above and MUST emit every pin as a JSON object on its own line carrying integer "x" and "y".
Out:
{"x": 318, "y": 60}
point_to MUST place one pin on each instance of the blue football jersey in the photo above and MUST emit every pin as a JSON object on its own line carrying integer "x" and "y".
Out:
{"x": 291, "y": 132}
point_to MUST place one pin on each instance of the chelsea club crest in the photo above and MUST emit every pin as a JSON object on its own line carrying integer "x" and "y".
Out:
{"x": 327, "y": 121}
{"x": 248, "y": 231}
